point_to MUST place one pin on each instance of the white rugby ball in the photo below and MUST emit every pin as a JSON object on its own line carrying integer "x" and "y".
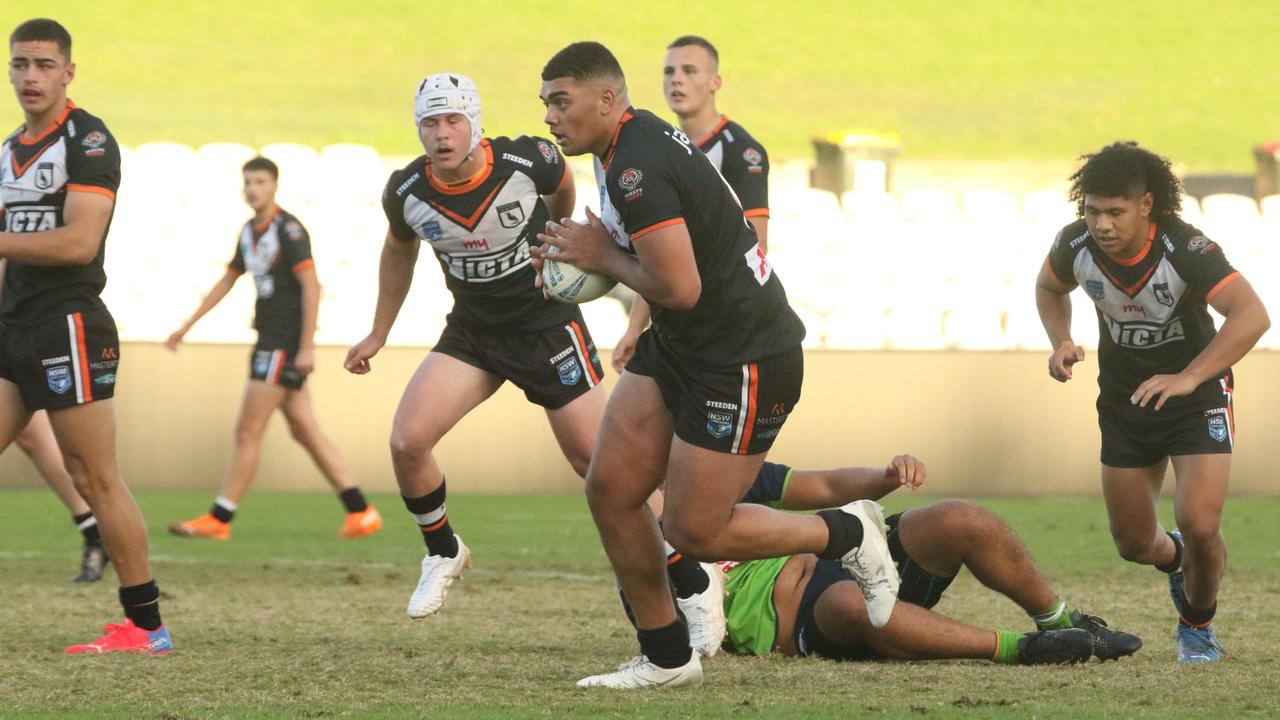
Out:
{"x": 567, "y": 284}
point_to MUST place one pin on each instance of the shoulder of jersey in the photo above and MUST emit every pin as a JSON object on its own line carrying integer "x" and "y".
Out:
{"x": 740, "y": 134}
{"x": 406, "y": 177}
{"x": 87, "y": 128}
{"x": 291, "y": 225}
{"x": 1182, "y": 238}
{"x": 1074, "y": 235}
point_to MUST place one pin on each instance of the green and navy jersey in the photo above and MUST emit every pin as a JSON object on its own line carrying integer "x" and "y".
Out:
{"x": 742, "y": 162}
{"x": 652, "y": 177}
{"x": 76, "y": 154}
{"x": 1152, "y": 309}
{"x": 273, "y": 253}
{"x": 481, "y": 230}
{"x": 750, "y": 618}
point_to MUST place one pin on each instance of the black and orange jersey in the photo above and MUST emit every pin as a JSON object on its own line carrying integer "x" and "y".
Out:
{"x": 481, "y": 230}
{"x": 76, "y": 154}
{"x": 743, "y": 163}
{"x": 652, "y": 177}
{"x": 273, "y": 252}
{"x": 1152, "y": 309}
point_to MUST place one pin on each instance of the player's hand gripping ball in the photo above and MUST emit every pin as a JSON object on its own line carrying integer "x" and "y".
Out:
{"x": 567, "y": 284}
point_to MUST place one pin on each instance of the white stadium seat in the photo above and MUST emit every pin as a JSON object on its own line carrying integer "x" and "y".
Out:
{"x": 1048, "y": 206}
{"x": 984, "y": 205}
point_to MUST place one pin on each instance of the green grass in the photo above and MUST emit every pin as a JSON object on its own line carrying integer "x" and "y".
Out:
{"x": 980, "y": 79}
{"x": 287, "y": 621}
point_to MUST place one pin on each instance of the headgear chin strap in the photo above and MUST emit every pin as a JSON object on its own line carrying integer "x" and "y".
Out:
{"x": 445, "y": 93}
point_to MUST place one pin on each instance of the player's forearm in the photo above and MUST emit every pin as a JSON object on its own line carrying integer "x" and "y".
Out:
{"x": 59, "y": 246}
{"x": 761, "y": 224}
{"x": 216, "y": 293}
{"x": 1240, "y": 331}
{"x": 653, "y": 286}
{"x": 310, "y": 311}
{"x": 1055, "y": 315}
{"x": 815, "y": 490}
{"x": 395, "y": 275}
{"x": 560, "y": 203}
{"x": 639, "y": 319}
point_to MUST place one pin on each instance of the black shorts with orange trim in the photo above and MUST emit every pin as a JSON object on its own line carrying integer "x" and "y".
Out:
{"x": 918, "y": 588}
{"x": 272, "y": 360}
{"x": 737, "y": 409}
{"x": 65, "y": 360}
{"x": 553, "y": 367}
{"x": 1136, "y": 437}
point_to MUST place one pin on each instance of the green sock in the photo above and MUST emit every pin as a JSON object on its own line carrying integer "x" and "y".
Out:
{"x": 1006, "y": 647}
{"x": 1057, "y": 617}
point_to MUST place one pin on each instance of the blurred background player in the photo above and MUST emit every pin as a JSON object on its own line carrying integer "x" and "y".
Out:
{"x": 702, "y": 399}
{"x": 58, "y": 178}
{"x": 1165, "y": 381}
{"x": 804, "y": 605}
{"x": 275, "y": 248}
{"x": 690, "y": 80}
{"x": 477, "y": 203}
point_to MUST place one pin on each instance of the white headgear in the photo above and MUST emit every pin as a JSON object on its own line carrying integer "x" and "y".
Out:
{"x": 445, "y": 93}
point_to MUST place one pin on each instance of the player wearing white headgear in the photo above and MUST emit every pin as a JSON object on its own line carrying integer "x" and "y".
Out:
{"x": 478, "y": 203}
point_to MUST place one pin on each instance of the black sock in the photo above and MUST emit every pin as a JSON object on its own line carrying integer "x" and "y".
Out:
{"x": 1175, "y": 565}
{"x": 428, "y": 511}
{"x": 223, "y": 509}
{"x": 666, "y": 647}
{"x": 686, "y": 575}
{"x": 1195, "y": 617}
{"x": 87, "y": 524}
{"x": 142, "y": 604}
{"x": 844, "y": 533}
{"x": 353, "y": 500}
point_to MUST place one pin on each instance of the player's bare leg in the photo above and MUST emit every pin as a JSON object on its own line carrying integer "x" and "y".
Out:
{"x": 1130, "y": 494}
{"x": 576, "y": 425}
{"x": 440, "y": 393}
{"x": 362, "y": 518}
{"x": 1197, "y": 506}
{"x": 260, "y": 400}
{"x": 13, "y": 414}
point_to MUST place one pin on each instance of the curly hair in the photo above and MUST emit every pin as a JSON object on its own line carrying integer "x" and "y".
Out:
{"x": 1122, "y": 169}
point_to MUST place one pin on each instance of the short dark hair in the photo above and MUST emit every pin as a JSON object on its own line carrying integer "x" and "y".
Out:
{"x": 586, "y": 60}
{"x": 263, "y": 164}
{"x": 705, "y": 44}
{"x": 42, "y": 29}
{"x": 1122, "y": 169}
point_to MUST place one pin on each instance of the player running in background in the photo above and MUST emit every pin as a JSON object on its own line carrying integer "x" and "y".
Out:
{"x": 276, "y": 249}
{"x": 804, "y": 605}
{"x": 1165, "y": 381}
{"x": 58, "y": 345}
{"x": 712, "y": 381}
{"x": 477, "y": 203}
{"x": 690, "y": 80}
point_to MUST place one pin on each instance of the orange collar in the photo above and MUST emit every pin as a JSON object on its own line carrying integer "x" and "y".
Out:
{"x": 22, "y": 136}
{"x": 1130, "y": 262}
{"x": 467, "y": 185}
{"x": 724, "y": 120}
{"x": 613, "y": 141}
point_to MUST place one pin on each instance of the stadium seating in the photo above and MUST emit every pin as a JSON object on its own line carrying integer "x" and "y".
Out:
{"x": 923, "y": 270}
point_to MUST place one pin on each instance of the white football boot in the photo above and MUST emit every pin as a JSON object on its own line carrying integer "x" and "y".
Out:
{"x": 871, "y": 564}
{"x": 438, "y": 573}
{"x": 640, "y": 673}
{"x": 704, "y": 613}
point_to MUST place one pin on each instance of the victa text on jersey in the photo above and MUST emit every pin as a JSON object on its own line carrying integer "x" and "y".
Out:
{"x": 31, "y": 219}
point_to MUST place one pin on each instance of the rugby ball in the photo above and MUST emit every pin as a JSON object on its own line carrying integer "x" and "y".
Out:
{"x": 567, "y": 284}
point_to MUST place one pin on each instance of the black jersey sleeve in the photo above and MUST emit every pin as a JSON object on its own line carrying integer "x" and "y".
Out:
{"x": 770, "y": 485}
{"x": 548, "y": 167}
{"x": 295, "y": 244}
{"x": 1062, "y": 254}
{"x": 1203, "y": 264}
{"x": 237, "y": 260}
{"x": 93, "y": 159}
{"x": 393, "y": 206}
{"x": 644, "y": 187}
{"x": 747, "y": 172}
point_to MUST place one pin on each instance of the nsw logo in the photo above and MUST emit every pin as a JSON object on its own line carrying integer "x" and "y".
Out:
{"x": 570, "y": 372}
{"x": 431, "y": 230}
{"x": 59, "y": 378}
{"x": 1095, "y": 289}
{"x": 719, "y": 424}
{"x": 1218, "y": 427}
{"x": 261, "y": 362}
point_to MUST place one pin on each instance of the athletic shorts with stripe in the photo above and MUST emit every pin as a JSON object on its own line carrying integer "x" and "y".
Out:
{"x": 553, "y": 367}
{"x": 272, "y": 360}
{"x": 1135, "y": 437}
{"x": 918, "y": 588}
{"x": 63, "y": 360}
{"x": 737, "y": 409}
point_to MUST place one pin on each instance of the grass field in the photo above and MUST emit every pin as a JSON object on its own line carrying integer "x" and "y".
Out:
{"x": 286, "y": 621}
{"x": 981, "y": 79}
